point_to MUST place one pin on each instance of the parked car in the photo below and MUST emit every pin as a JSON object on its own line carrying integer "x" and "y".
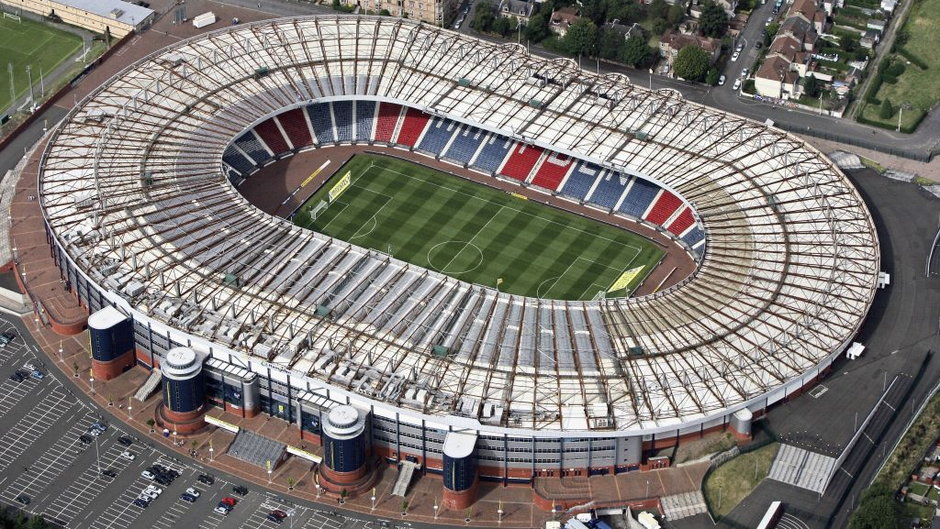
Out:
{"x": 241, "y": 490}
{"x": 193, "y": 492}
{"x": 142, "y": 503}
{"x": 146, "y": 474}
{"x": 758, "y": 45}
{"x": 744, "y": 73}
{"x": 205, "y": 479}
{"x": 128, "y": 455}
{"x": 24, "y": 499}
{"x": 37, "y": 374}
{"x": 85, "y": 438}
{"x": 17, "y": 377}
{"x": 734, "y": 56}
{"x": 125, "y": 440}
{"x": 739, "y": 48}
{"x": 5, "y": 338}
{"x": 737, "y": 84}
{"x": 228, "y": 500}
{"x": 188, "y": 498}
{"x": 110, "y": 472}
{"x": 222, "y": 509}
{"x": 721, "y": 80}
{"x": 277, "y": 515}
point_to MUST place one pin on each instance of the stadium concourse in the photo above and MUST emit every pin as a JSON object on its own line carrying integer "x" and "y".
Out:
{"x": 379, "y": 360}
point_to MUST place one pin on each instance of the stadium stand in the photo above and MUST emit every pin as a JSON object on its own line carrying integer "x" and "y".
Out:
{"x": 521, "y": 161}
{"x": 694, "y": 236}
{"x": 582, "y": 178}
{"x": 681, "y": 222}
{"x": 271, "y": 135}
{"x": 387, "y": 121}
{"x": 250, "y": 145}
{"x": 438, "y": 134}
{"x": 609, "y": 189}
{"x": 365, "y": 120}
{"x": 295, "y": 125}
{"x": 552, "y": 171}
{"x": 639, "y": 198}
{"x": 465, "y": 144}
{"x": 322, "y": 123}
{"x": 663, "y": 208}
{"x": 412, "y": 127}
{"x": 492, "y": 154}
{"x": 236, "y": 160}
{"x": 343, "y": 118}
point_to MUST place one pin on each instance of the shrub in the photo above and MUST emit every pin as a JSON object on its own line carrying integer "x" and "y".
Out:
{"x": 886, "y": 110}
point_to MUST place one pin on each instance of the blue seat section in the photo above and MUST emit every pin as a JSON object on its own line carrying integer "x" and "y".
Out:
{"x": 493, "y": 153}
{"x": 436, "y": 136}
{"x": 322, "y": 124}
{"x": 365, "y": 120}
{"x": 609, "y": 189}
{"x": 694, "y": 236}
{"x": 466, "y": 143}
{"x": 581, "y": 180}
{"x": 343, "y": 115}
{"x": 252, "y": 147}
{"x": 237, "y": 161}
{"x": 639, "y": 198}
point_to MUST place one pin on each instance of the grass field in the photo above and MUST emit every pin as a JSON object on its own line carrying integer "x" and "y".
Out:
{"x": 30, "y": 43}
{"x": 731, "y": 482}
{"x": 478, "y": 234}
{"x": 915, "y": 86}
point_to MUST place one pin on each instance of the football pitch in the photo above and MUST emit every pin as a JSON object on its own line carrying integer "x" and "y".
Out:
{"x": 475, "y": 233}
{"x": 29, "y": 43}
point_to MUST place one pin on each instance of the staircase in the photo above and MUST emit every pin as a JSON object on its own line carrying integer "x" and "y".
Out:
{"x": 149, "y": 386}
{"x": 405, "y": 472}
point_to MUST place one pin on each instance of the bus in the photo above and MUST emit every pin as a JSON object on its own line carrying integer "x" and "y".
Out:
{"x": 772, "y": 516}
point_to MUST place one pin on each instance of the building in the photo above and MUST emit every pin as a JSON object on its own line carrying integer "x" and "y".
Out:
{"x": 521, "y": 10}
{"x": 775, "y": 78}
{"x": 377, "y": 360}
{"x": 870, "y": 39}
{"x": 673, "y": 41}
{"x": 562, "y": 19}
{"x": 99, "y": 16}
{"x": 433, "y": 11}
{"x": 625, "y": 31}
{"x": 809, "y": 11}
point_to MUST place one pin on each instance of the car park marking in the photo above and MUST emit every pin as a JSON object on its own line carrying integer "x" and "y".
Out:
{"x": 122, "y": 512}
{"x": 31, "y": 427}
{"x": 65, "y": 507}
{"x": 12, "y": 392}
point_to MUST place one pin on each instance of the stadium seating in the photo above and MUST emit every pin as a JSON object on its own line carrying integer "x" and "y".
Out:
{"x": 295, "y": 125}
{"x": 521, "y": 161}
{"x": 387, "y": 121}
{"x": 552, "y": 171}
{"x": 681, "y": 222}
{"x": 694, "y": 236}
{"x": 663, "y": 208}
{"x": 438, "y": 134}
{"x": 343, "y": 117}
{"x": 581, "y": 180}
{"x": 237, "y": 161}
{"x": 248, "y": 143}
{"x": 492, "y": 154}
{"x": 322, "y": 123}
{"x": 271, "y": 135}
{"x": 412, "y": 127}
{"x": 365, "y": 120}
{"x": 639, "y": 198}
{"x": 465, "y": 145}
{"x": 609, "y": 189}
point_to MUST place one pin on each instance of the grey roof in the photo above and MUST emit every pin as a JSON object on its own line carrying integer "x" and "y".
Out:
{"x": 256, "y": 449}
{"x": 118, "y": 10}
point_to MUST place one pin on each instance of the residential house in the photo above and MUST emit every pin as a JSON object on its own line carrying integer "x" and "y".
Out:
{"x": 877, "y": 25}
{"x": 562, "y": 19}
{"x": 870, "y": 39}
{"x": 800, "y": 29}
{"x": 809, "y": 11}
{"x": 521, "y": 10}
{"x": 672, "y": 41}
{"x": 775, "y": 78}
{"x": 888, "y": 6}
{"x": 625, "y": 31}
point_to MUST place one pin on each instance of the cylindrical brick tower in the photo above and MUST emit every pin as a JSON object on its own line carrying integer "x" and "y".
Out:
{"x": 184, "y": 390}
{"x": 111, "y": 334}
{"x": 741, "y": 424}
{"x": 460, "y": 470}
{"x": 344, "y": 445}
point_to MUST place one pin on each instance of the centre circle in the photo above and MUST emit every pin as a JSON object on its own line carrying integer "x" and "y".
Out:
{"x": 442, "y": 257}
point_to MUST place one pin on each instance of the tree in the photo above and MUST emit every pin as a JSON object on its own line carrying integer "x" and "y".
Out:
{"x": 714, "y": 21}
{"x": 609, "y": 44}
{"x": 691, "y": 63}
{"x": 404, "y": 506}
{"x": 537, "y": 28}
{"x": 75, "y": 368}
{"x": 811, "y": 86}
{"x": 675, "y": 14}
{"x": 342, "y": 495}
{"x": 636, "y": 52}
{"x": 290, "y": 483}
{"x": 711, "y": 78}
{"x": 385, "y": 13}
{"x": 484, "y": 16}
{"x": 658, "y": 9}
{"x": 504, "y": 25}
{"x": 876, "y": 510}
{"x": 886, "y": 110}
{"x": 769, "y": 32}
{"x": 580, "y": 38}
{"x": 151, "y": 423}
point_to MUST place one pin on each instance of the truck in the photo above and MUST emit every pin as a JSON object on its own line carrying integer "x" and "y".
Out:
{"x": 204, "y": 20}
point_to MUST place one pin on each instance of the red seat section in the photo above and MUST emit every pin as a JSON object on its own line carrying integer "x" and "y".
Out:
{"x": 272, "y": 136}
{"x": 295, "y": 125}
{"x": 552, "y": 171}
{"x": 521, "y": 161}
{"x": 413, "y": 126}
{"x": 387, "y": 121}
{"x": 682, "y": 222}
{"x": 663, "y": 208}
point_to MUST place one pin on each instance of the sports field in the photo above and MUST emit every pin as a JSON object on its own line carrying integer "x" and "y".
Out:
{"x": 30, "y": 43}
{"x": 476, "y": 233}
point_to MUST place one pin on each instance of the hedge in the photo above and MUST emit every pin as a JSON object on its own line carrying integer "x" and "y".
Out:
{"x": 907, "y": 129}
{"x": 914, "y": 59}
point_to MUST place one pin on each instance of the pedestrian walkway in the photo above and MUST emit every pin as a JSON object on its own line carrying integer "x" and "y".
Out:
{"x": 802, "y": 468}
{"x": 679, "y": 506}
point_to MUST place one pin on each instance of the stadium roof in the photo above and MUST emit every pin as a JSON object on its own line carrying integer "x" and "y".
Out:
{"x": 131, "y": 185}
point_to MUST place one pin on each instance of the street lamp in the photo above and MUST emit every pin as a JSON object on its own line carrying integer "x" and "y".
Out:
{"x": 651, "y": 79}
{"x": 436, "y": 507}
{"x": 499, "y": 513}
{"x": 97, "y": 456}
{"x": 29, "y": 75}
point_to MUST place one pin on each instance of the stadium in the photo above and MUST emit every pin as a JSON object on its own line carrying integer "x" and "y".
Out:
{"x": 374, "y": 356}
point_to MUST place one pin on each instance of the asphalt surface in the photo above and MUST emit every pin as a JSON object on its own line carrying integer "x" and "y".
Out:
{"x": 42, "y": 458}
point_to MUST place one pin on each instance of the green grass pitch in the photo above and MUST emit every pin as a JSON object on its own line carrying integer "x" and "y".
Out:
{"x": 30, "y": 43}
{"x": 477, "y": 234}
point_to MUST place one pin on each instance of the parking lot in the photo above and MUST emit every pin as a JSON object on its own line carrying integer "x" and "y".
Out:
{"x": 52, "y": 462}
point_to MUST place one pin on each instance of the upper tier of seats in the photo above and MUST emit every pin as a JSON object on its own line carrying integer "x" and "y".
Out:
{"x": 324, "y": 124}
